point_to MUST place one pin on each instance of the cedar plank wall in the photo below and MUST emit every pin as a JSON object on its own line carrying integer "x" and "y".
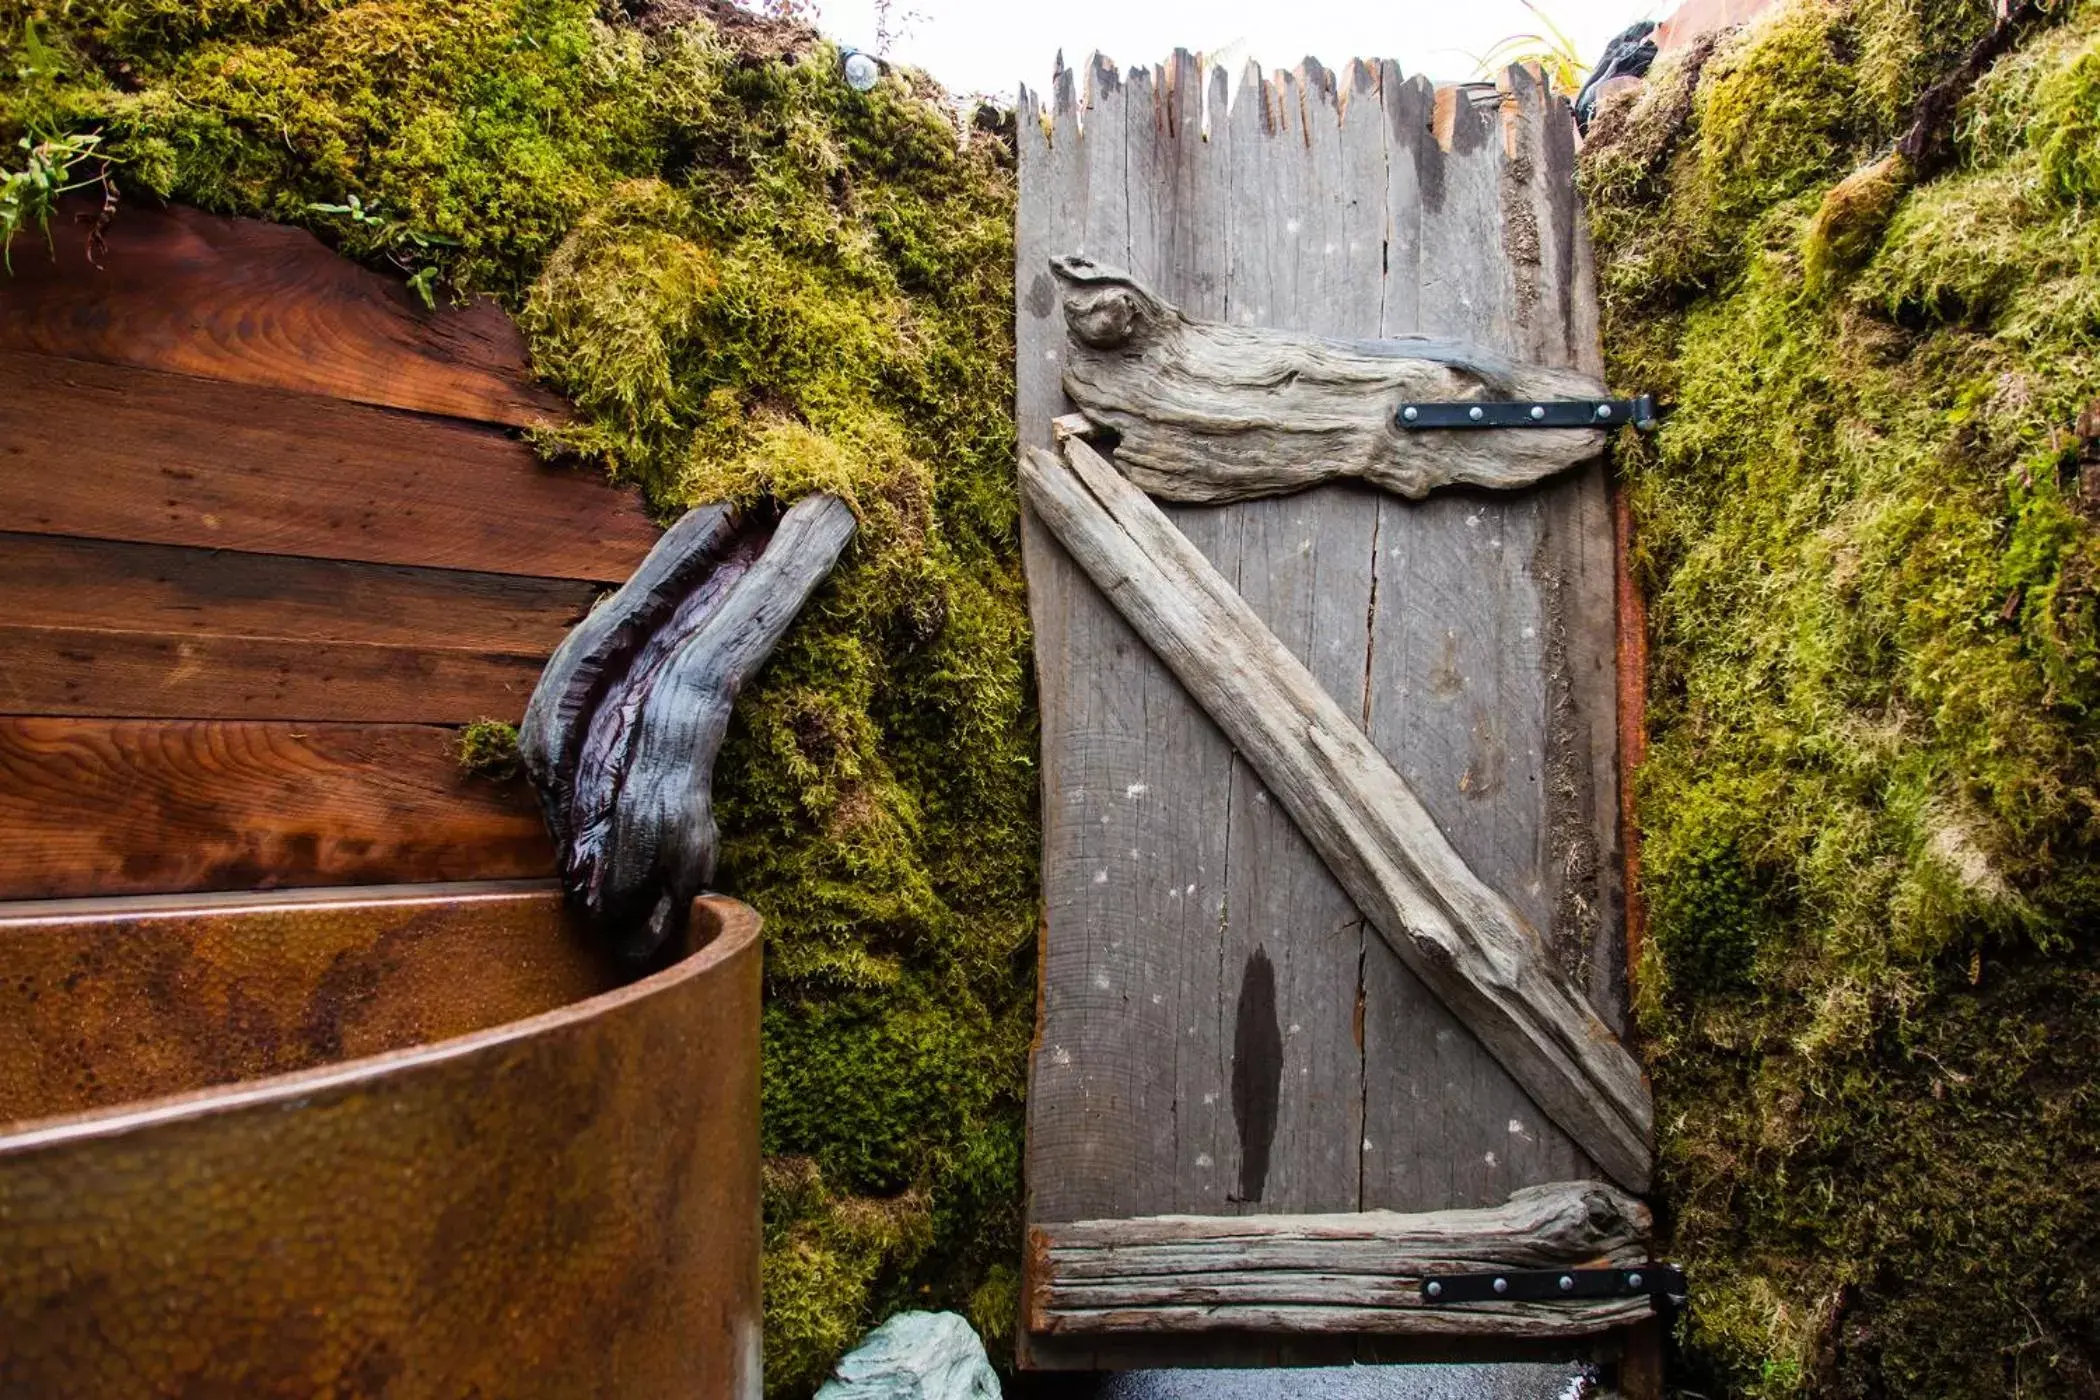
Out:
{"x": 267, "y": 538}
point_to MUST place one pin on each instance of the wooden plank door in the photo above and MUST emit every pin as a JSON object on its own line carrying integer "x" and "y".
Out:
{"x": 1221, "y": 1032}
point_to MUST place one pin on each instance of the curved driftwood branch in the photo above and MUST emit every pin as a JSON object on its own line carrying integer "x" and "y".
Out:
{"x": 1335, "y": 1273}
{"x": 1466, "y": 942}
{"x": 621, "y": 733}
{"x": 1210, "y": 412}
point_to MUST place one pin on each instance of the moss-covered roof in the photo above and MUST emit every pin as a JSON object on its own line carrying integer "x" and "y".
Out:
{"x": 1871, "y": 814}
{"x": 750, "y": 279}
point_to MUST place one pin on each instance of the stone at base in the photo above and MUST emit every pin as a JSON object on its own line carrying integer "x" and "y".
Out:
{"x": 915, "y": 1356}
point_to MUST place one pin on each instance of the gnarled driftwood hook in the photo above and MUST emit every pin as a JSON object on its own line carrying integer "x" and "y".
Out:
{"x": 621, "y": 733}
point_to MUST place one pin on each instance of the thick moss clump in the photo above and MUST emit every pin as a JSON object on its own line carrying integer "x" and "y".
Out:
{"x": 1871, "y": 815}
{"x": 752, "y": 281}
{"x": 488, "y": 748}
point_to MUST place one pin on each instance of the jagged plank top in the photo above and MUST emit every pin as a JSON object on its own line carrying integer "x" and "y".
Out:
{"x": 1210, "y": 413}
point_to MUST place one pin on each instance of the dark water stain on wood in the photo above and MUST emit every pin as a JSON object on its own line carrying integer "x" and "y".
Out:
{"x": 1257, "y": 1073}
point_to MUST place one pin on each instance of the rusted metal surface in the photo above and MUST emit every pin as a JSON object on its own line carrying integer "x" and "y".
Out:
{"x": 560, "y": 1205}
{"x": 104, "y": 1001}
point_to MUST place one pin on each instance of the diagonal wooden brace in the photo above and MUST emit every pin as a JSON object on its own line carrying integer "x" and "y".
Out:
{"x": 1464, "y": 941}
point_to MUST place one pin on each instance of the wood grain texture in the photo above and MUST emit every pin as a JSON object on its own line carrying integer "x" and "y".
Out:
{"x": 98, "y": 627}
{"x": 1207, "y": 411}
{"x": 1318, "y": 202}
{"x": 1491, "y": 685}
{"x": 111, "y": 452}
{"x": 1355, "y": 1273}
{"x": 51, "y": 581}
{"x": 1462, "y": 938}
{"x": 255, "y": 303}
{"x": 140, "y": 675}
{"x": 1633, "y": 718}
{"x": 621, "y": 734}
{"x": 136, "y": 807}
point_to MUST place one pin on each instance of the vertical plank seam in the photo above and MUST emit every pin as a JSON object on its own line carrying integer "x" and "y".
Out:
{"x": 1233, "y": 766}
{"x": 1363, "y": 931}
{"x": 1232, "y": 762}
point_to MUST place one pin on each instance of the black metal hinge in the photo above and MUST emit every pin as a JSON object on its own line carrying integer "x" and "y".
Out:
{"x": 1663, "y": 1282}
{"x": 1520, "y": 413}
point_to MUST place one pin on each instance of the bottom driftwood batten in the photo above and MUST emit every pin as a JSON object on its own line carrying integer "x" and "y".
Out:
{"x": 1334, "y": 1275}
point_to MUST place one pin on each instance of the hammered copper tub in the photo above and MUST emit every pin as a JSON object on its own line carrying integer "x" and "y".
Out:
{"x": 443, "y": 1152}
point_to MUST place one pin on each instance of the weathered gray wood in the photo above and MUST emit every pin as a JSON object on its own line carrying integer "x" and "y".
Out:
{"x": 1215, "y": 412}
{"x": 1455, "y": 682}
{"x": 1105, "y": 1083}
{"x": 1300, "y": 565}
{"x": 1491, "y": 681}
{"x": 621, "y": 732}
{"x": 1130, "y": 1102}
{"x": 1463, "y": 939}
{"x": 1359, "y": 1272}
{"x": 1176, "y": 218}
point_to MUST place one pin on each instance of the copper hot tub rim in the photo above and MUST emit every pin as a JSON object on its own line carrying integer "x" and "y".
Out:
{"x": 735, "y": 925}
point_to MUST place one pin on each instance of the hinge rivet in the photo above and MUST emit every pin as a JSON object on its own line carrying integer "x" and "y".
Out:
{"x": 1434, "y": 1289}
{"x": 1566, "y": 1284}
{"x": 1502, "y": 1285}
{"x": 1475, "y": 414}
{"x": 1633, "y": 1281}
{"x": 1604, "y": 410}
{"x": 1538, "y": 411}
{"x": 1409, "y": 413}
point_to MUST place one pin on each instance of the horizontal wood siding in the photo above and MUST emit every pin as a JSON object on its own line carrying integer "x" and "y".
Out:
{"x": 130, "y": 454}
{"x": 270, "y": 539}
{"x": 256, "y": 303}
{"x": 207, "y": 592}
{"x": 96, "y": 806}
{"x": 84, "y": 671}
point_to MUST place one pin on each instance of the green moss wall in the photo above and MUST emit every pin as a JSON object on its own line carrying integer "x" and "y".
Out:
{"x": 751, "y": 280}
{"x": 1870, "y": 1001}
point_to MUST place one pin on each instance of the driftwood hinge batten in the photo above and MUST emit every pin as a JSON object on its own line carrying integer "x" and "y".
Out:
{"x": 1207, "y": 411}
{"x": 1332, "y": 935}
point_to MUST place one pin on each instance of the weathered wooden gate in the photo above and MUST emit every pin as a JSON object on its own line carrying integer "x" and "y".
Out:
{"x": 1224, "y": 1032}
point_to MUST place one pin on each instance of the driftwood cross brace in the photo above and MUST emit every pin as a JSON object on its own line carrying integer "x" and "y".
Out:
{"x": 1209, "y": 412}
{"x": 1465, "y": 941}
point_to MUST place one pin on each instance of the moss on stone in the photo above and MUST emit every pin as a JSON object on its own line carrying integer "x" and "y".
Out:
{"x": 752, "y": 281}
{"x": 1871, "y": 816}
{"x": 825, "y": 1255}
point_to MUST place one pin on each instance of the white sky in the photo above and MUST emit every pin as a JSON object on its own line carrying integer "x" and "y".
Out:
{"x": 991, "y": 46}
